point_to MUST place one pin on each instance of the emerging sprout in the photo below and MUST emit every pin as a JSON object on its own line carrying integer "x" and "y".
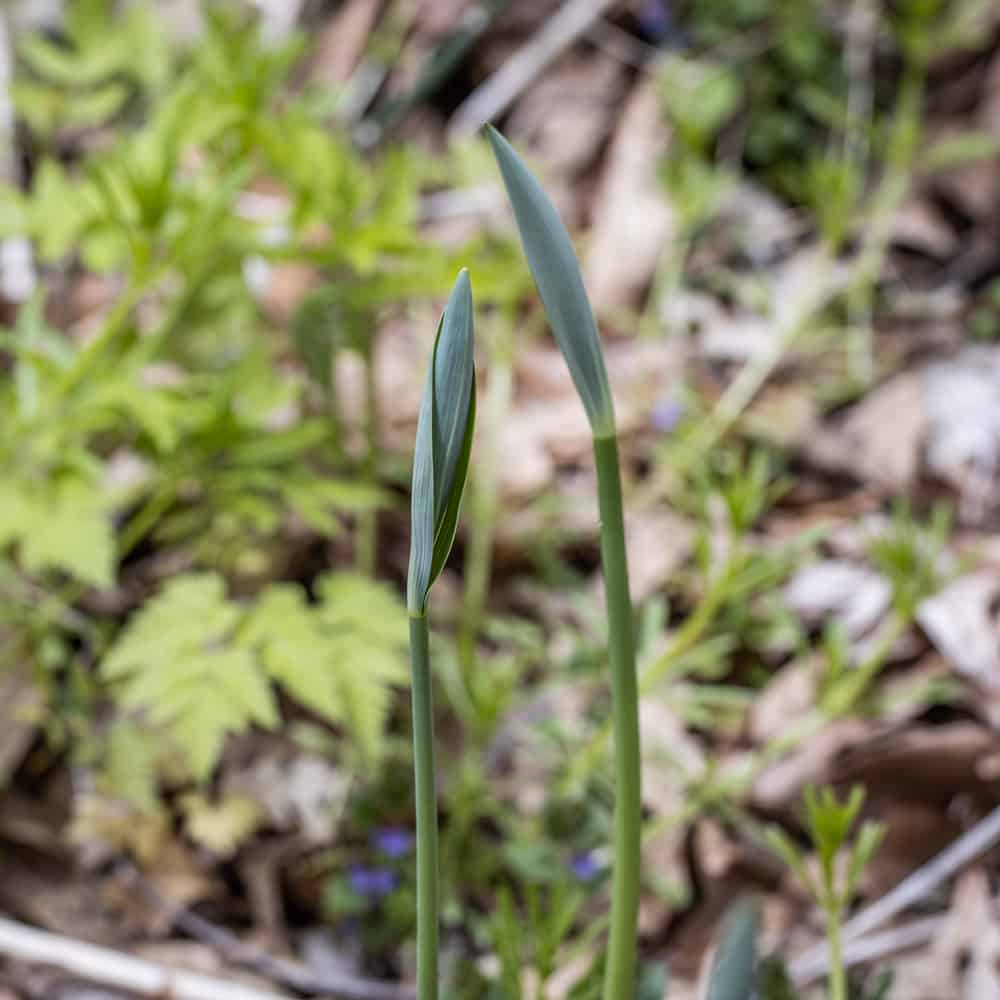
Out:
{"x": 440, "y": 463}
{"x": 444, "y": 440}
{"x": 557, "y": 274}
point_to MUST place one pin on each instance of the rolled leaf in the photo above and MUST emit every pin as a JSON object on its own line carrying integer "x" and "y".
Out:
{"x": 443, "y": 444}
{"x": 557, "y": 275}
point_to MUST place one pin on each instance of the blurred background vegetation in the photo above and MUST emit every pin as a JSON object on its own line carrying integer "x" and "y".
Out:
{"x": 226, "y": 230}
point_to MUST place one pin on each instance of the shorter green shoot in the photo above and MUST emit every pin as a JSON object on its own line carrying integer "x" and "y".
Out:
{"x": 841, "y": 862}
{"x": 908, "y": 555}
{"x": 440, "y": 465}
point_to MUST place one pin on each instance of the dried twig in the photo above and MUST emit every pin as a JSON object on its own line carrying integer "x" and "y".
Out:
{"x": 115, "y": 969}
{"x": 918, "y": 885}
{"x": 495, "y": 95}
{"x": 289, "y": 974}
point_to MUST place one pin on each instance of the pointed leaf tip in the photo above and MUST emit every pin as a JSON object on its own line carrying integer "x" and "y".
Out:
{"x": 443, "y": 444}
{"x": 557, "y": 276}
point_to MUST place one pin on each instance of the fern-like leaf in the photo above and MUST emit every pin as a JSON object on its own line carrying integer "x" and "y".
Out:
{"x": 64, "y": 526}
{"x": 201, "y": 665}
{"x": 340, "y": 657}
{"x": 174, "y": 661}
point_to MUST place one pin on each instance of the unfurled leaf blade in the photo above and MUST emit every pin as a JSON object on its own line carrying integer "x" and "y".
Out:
{"x": 556, "y": 272}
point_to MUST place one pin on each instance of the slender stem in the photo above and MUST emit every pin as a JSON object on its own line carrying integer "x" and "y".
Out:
{"x": 619, "y": 982}
{"x": 426, "y": 800}
{"x": 838, "y": 978}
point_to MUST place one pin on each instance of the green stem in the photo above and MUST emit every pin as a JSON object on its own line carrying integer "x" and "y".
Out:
{"x": 619, "y": 982}
{"x": 838, "y": 978}
{"x": 144, "y": 519}
{"x": 426, "y": 801}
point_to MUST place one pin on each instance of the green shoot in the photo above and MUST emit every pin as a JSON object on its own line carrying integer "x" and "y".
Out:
{"x": 440, "y": 464}
{"x": 557, "y": 274}
{"x": 841, "y": 863}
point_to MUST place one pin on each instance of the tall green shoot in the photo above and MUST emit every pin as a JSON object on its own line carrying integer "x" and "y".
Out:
{"x": 557, "y": 275}
{"x": 440, "y": 465}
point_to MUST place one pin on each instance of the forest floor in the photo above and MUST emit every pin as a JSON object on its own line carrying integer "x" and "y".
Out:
{"x": 788, "y": 217}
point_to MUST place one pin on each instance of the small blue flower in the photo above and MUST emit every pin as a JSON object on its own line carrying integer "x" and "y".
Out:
{"x": 393, "y": 842}
{"x": 372, "y": 883}
{"x": 656, "y": 21}
{"x": 585, "y": 867}
{"x": 667, "y": 413}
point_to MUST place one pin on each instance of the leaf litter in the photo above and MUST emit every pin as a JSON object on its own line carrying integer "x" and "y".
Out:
{"x": 927, "y": 428}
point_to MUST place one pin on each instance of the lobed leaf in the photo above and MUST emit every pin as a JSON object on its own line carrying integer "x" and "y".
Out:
{"x": 202, "y": 666}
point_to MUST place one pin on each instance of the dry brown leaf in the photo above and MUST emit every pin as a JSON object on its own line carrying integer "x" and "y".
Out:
{"x": 913, "y": 833}
{"x": 974, "y": 187}
{"x": 287, "y": 284}
{"x": 630, "y": 208}
{"x": 671, "y": 759}
{"x": 780, "y": 785}
{"x": 737, "y": 339}
{"x": 21, "y": 702}
{"x": 104, "y": 827}
{"x": 305, "y": 793}
{"x": 962, "y": 961}
{"x": 963, "y": 437}
{"x": 342, "y": 40}
{"x": 657, "y": 544}
{"x": 789, "y": 694}
{"x": 785, "y": 414}
{"x": 59, "y": 900}
{"x": 853, "y": 595}
{"x": 882, "y": 435}
{"x": 961, "y": 621}
{"x": 221, "y": 826}
{"x": 919, "y": 226}
{"x": 943, "y": 760}
{"x": 880, "y": 440}
{"x": 565, "y": 116}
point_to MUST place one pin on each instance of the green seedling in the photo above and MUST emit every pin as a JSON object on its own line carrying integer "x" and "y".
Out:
{"x": 841, "y": 863}
{"x": 440, "y": 464}
{"x": 908, "y": 554}
{"x": 557, "y": 275}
